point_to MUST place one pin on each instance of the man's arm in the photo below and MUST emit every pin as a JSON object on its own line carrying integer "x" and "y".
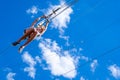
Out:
{"x": 36, "y": 20}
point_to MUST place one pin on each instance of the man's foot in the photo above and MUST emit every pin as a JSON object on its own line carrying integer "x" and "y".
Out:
{"x": 25, "y": 31}
{"x": 15, "y": 43}
{"x": 21, "y": 48}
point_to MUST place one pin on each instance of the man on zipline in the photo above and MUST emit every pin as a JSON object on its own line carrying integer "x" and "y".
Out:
{"x": 32, "y": 32}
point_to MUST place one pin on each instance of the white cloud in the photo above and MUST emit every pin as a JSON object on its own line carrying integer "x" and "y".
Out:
{"x": 82, "y": 78}
{"x": 80, "y": 49}
{"x": 66, "y": 38}
{"x": 84, "y": 58}
{"x": 10, "y": 76}
{"x": 57, "y": 64}
{"x": 28, "y": 59}
{"x": 33, "y": 10}
{"x": 37, "y": 58}
{"x": 93, "y": 65}
{"x": 60, "y": 22}
{"x": 115, "y": 71}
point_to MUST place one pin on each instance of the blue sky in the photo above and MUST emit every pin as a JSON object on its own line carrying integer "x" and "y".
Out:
{"x": 86, "y": 30}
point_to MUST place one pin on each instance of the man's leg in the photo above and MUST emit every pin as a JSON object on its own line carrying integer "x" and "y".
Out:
{"x": 32, "y": 36}
{"x": 28, "y": 32}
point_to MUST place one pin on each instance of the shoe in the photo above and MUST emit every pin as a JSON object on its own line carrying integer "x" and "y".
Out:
{"x": 25, "y": 31}
{"x": 15, "y": 43}
{"x": 21, "y": 48}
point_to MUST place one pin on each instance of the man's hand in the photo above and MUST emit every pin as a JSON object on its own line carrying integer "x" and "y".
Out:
{"x": 43, "y": 16}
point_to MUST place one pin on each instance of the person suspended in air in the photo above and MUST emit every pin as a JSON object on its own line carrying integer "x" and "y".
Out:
{"x": 32, "y": 32}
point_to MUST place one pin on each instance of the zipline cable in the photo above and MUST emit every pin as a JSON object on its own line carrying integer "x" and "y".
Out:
{"x": 61, "y": 6}
{"x": 69, "y": 5}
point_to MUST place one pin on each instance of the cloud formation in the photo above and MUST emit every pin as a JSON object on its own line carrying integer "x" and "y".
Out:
{"x": 10, "y": 76}
{"x": 60, "y": 22}
{"x": 28, "y": 59}
{"x": 82, "y": 78}
{"x": 33, "y": 10}
{"x": 93, "y": 65}
{"x": 115, "y": 71}
{"x": 58, "y": 64}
